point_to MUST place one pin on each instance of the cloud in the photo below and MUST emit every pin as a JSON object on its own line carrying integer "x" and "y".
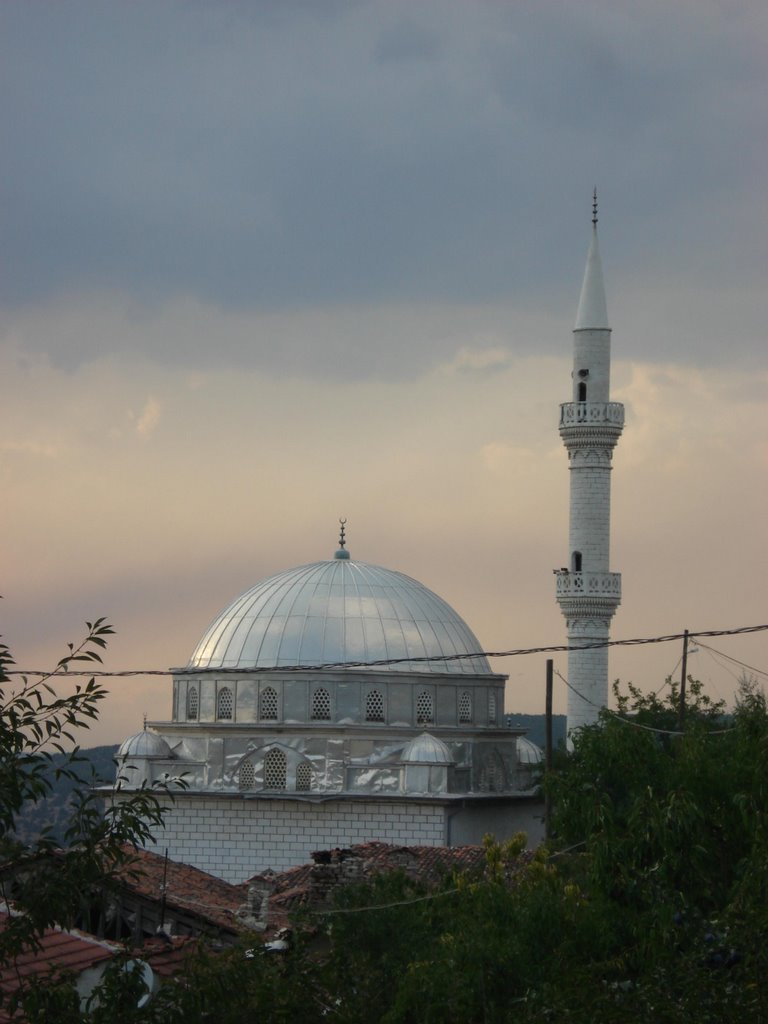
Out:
{"x": 486, "y": 360}
{"x": 378, "y": 153}
{"x": 29, "y": 447}
{"x": 149, "y": 418}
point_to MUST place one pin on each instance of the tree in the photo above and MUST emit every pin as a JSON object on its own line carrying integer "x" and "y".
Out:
{"x": 47, "y": 883}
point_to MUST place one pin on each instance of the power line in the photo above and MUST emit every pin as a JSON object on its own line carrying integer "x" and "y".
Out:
{"x": 629, "y": 721}
{"x": 741, "y": 664}
{"x": 429, "y": 659}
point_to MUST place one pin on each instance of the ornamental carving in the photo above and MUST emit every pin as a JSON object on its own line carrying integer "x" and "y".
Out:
{"x": 592, "y": 413}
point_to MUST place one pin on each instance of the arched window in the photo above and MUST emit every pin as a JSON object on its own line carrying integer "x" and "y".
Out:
{"x": 576, "y": 561}
{"x": 304, "y": 777}
{"x": 192, "y": 704}
{"x": 492, "y": 775}
{"x": 582, "y": 391}
{"x": 224, "y": 704}
{"x": 425, "y": 711}
{"x": 268, "y": 703}
{"x": 374, "y": 707}
{"x": 274, "y": 769}
{"x": 321, "y": 706}
{"x": 492, "y": 706}
{"x": 246, "y": 777}
{"x": 465, "y": 707}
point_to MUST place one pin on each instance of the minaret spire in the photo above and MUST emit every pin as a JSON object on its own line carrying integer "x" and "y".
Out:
{"x": 592, "y": 312}
{"x": 590, "y": 425}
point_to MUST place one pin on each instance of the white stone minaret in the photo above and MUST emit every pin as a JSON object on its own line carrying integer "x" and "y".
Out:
{"x": 590, "y": 425}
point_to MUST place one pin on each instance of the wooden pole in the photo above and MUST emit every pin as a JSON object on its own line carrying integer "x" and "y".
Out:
{"x": 683, "y": 677}
{"x": 548, "y": 746}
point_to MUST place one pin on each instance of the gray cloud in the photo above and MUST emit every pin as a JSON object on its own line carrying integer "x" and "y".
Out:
{"x": 267, "y": 157}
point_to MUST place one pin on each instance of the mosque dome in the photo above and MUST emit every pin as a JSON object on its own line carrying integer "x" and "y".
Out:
{"x": 427, "y": 749}
{"x": 528, "y": 752}
{"x": 145, "y": 744}
{"x": 340, "y": 613}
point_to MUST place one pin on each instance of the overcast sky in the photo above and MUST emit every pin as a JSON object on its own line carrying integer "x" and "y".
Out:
{"x": 267, "y": 264}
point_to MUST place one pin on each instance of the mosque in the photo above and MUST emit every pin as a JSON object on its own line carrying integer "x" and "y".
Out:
{"x": 342, "y": 702}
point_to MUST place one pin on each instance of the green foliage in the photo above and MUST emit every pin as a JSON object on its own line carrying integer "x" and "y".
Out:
{"x": 37, "y": 748}
{"x": 471, "y": 950}
{"x": 651, "y": 905}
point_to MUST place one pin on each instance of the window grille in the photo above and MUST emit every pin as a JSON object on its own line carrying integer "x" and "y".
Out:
{"x": 192, "y": 703}
{"x": 304, "y": 777}
{"x": 424, "y": 708}
{"x": 224, "y": 704}
{"x": 268, "y": 703}
{"x": 246, "y": 776}
{"x": 465, "y": 707}
{"x": 321, "y": 706}
{"x": 492, "y": 706}
{"x": 374, "y": 707}
{"x": 274, "y": 769}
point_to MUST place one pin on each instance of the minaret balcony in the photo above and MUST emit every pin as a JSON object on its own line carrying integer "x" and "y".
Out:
{"x": 588, "y": 584}
{"x": 596, "y": 414}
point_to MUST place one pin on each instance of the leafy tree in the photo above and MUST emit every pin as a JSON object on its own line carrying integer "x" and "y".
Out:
{"x": 45, "y": 882}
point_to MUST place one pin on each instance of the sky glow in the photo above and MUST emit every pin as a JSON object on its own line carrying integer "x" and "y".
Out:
{"x": 265, "y": 265}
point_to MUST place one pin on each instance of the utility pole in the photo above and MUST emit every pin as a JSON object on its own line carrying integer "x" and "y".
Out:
{"x": 683, "y": 677}
{"x": 548, "y": 747}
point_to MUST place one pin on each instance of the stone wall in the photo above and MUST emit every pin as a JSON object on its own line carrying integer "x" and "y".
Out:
{"x": 234, "y": 838}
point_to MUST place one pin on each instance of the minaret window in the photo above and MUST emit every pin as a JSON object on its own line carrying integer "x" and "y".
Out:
{"x": 576, "y": 561}
{"x": 321, "y": 706}
{"x": 224, "y": 704}
{"x": 192, "y": 704}
{"x": 304, "y": 777}
{"x": 465, "y": 707}
{"x": 268, "y": 704}
{"x": 246, "y": 777}
{"x": 425, "y": 711}
{"x": 275, "y": 764}
{"x": 582, "y": 391}
{"x": 374, "y": 707}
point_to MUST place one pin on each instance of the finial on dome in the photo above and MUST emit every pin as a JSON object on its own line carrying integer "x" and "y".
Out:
{"x": 594, "y": 207}
{"x": 342, "y": 552}
{"x": 145, "y": 721}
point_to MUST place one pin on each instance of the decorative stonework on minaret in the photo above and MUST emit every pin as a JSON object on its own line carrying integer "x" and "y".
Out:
{"x": 590, "y": 425}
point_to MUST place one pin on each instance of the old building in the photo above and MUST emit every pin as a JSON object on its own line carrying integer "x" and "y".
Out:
{"x": 333, "y": 704}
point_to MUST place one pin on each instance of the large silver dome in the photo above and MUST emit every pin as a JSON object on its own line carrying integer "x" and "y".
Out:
{"x": 335, "y": 613}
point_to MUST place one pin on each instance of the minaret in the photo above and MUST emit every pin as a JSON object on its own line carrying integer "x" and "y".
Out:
{"x": 590, "y": 425}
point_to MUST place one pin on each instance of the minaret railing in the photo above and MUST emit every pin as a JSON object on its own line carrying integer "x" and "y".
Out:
{"x": 591, "y": 412}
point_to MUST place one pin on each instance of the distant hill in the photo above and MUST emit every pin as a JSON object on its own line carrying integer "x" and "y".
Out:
{"x": 97, "y": 767}
{"x": 536, "y": 727}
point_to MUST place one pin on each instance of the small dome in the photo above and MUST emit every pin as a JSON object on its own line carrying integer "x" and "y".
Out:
{"x": 145, "y": 744}
{"x": 336, "y": 613}
{"x": 427, "y": 749}
{"x": 528, "y": 752}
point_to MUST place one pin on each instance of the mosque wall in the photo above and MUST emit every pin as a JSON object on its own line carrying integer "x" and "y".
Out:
{"x": 468, "y": 826}
{"x": 233, "y": 838}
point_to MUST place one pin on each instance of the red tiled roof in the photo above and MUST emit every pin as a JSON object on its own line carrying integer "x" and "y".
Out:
{"x": 187, "y": 889}
{"x": 292, "y": 889}
{"x": 59, "y": 950}
{"x": 167, "y": 958}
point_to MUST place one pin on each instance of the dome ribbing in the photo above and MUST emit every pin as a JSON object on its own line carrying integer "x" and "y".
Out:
{"x": 339, "y": 612}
